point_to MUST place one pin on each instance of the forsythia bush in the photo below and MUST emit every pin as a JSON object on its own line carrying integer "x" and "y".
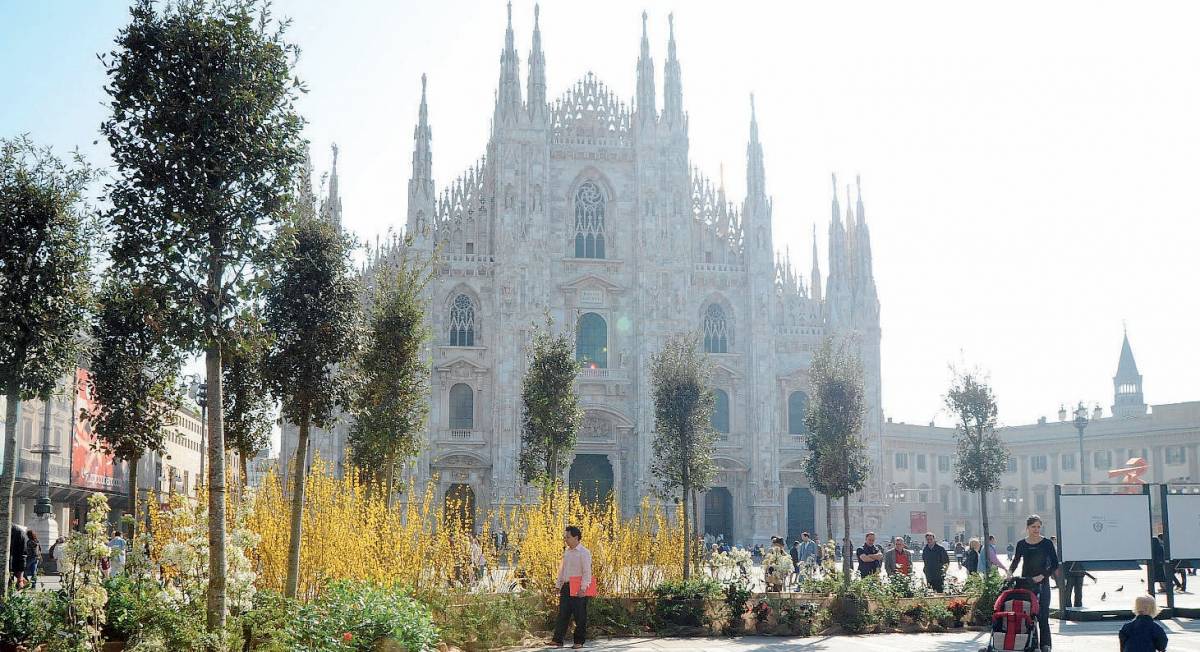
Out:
{"x": 349, "y": 533}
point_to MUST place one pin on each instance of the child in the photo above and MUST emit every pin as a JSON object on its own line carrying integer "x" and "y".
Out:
{"x": 1142, "y": 634}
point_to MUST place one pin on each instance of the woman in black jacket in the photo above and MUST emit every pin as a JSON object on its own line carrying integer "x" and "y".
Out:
{"x": 1041, "y": 560}
{"x": 971, "y": 558}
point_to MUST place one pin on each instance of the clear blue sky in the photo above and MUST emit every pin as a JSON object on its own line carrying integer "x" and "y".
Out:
{"x": 1028, "y": 172}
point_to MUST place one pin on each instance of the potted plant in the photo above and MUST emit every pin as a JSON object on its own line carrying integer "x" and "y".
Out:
{"x": 959, "y": 609}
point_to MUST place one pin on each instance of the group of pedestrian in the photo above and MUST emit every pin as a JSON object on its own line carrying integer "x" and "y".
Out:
{"x": 899, "y": 560}
{"x": 25, "y": 555}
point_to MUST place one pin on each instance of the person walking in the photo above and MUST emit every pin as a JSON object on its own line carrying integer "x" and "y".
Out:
{"x": 869, "y": 556}
{"x": 1073, "y": 583}
{"x": 794, "y": 551}
{"x": 116, "y": 546}
{"x": 57, "y": 552}
{"x": 33, "y": 555}
{"x": 971, "y": 556}
{"x": 16, "y": 555}
{"x": 993, "y": 557}
{"x": 1040, "y": 561}
{"x": 808, "y": 549}
{"x": 574, "y": 585}
{"x": 898, "y": 559}
{"x": 1142, "y": 634}
{"x": 935, "y": 560}
{"x": 478, "y": 560}
{"x": 960, "y": 552}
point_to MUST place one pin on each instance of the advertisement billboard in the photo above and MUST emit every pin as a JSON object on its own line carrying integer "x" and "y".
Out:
{"x": 1112, "y": 527}
{"x": 90, "y": 467}
{"x": 918, "y": 522}
{"x": 1183, "y": 519}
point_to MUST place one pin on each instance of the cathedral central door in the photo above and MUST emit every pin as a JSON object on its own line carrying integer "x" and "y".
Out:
{"x": 718, "y": 513}
{"x": 460, "y": 506}
{"x": 592, "y": 476}
{"x": 801, "y": 513}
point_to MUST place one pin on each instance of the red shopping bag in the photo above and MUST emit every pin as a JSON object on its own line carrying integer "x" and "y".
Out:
{"x": 591, "y": 589}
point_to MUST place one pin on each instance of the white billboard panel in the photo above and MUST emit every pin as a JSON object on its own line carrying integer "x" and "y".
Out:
{"x": 1105, "y": 527}
{"x": 1183, "y": 519}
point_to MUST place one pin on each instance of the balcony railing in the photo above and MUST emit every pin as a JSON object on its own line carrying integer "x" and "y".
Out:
{"x": 603, "y": 374}
{"x": 463, "y": 435}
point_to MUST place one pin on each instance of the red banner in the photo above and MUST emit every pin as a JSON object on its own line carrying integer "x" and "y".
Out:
{"x": 918, "y": 522}
{"x": 91, "y": 468}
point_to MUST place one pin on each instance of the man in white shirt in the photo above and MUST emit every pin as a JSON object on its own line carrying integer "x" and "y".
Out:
{"x": 576, "y": 563}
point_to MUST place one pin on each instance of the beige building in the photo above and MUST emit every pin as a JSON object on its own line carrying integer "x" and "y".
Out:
{"x": 918, "y": 469}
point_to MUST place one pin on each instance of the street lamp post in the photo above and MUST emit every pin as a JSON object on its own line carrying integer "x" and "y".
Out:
{"x": 201, "y": 389}
{"x": 1081, "y": 421}
{"x": 43, "y": 509}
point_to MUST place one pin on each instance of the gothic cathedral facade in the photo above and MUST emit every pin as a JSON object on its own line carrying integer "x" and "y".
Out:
{"x": 589, "y": 211}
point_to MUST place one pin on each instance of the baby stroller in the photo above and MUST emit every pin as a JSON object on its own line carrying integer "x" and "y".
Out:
{"x": 1015, "y": 618}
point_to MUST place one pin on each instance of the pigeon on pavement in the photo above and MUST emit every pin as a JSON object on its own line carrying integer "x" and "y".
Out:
{"x": 1120, "y": 588}
{"x": 1103, "y": 596}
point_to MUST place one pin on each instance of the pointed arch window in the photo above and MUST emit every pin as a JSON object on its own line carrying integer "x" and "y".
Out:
{"x": 591, "y": 341}
{"x": 717, "y": 333}
{"x": 720, "y": 413}
{"x": 590, "y": 205}
{"x": 797, "y": 411}
{"x": 462, "y": 321}
{"x": 462, "y": 407}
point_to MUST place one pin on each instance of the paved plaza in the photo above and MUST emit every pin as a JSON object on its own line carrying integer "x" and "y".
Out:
{"x": 1184, "y": 636}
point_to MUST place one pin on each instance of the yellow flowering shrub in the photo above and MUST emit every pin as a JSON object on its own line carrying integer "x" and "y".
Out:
{"x": 349, "y": 533}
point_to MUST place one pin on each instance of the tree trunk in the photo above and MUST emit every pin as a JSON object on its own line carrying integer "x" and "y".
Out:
{"x": 293, "y": 574}
{"x": 687, "y": 535}
{"x": 12, "y": 417}
{"x": 216, "y": 479}
{"x": 244, "y": 464}
{"x": 847, "y": 563}
{"x": 696, "y": 531}
{"x": 829, "y": 518}
{"x": 984, "y": 518}
{"x": 391, "y": 484}
{"x": 133, "y": 496}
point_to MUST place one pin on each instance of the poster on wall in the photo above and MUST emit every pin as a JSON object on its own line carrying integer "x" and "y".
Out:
{"x": 91, "y": 468}
{"x": 1110, "y": 527}
{"x": 1183, "y": 519}
{"x": 918, "y": 522}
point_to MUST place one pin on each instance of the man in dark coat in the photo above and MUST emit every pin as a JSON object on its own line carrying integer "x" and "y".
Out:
{"x": 935, "y": 559}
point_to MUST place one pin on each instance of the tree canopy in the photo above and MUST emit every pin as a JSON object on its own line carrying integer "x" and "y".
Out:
{"x": 391, "y": 397}
{"x": 551, "y": 414}
{"x": 205, "y": 139}
{"x": 45, "y": 286}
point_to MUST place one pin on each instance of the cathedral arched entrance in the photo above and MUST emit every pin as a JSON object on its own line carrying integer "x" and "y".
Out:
{"x": 801, "y": 513}
{"x": 718, "y": 513}
{"x": 459, "y": 507}
{"x": 592, "y": 476}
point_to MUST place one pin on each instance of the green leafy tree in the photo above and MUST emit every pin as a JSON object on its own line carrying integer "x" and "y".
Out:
{"x": 249, "y": 410}
{"x": 684, "y": 438}
{"x": 551, "y": 414}
{"x": 982, "y": 457}
{"x": 391, "y": 397}
{"x": 312, "y": 315}
{"x": 206, "y": 140}
{"x": 837, "y": 465}
{"x": 45, "y": 291}
{"x": 134, "y": 376}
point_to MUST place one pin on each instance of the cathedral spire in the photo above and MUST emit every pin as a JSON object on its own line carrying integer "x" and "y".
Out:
{"x": 537, "y": 73}
{"x": 331, "y": 208}
{"x": 508, "y": 95}
{"x": 756, "y": 183}
{"x": 645, "y": 108}
{"x": 420, "y": 184}
{"x": 672, "y": 84}
{"x": 816, "y": 268}
{"x": 862, "y": 244}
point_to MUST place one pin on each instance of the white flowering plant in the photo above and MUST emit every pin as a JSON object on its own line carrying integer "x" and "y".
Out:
{"x": 184, "y": 556}
{"x": 83, "y": 582}
{"x": 777, "y": 565}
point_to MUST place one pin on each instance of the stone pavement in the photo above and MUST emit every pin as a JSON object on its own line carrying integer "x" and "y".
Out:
{"x": 1184, "y": 636}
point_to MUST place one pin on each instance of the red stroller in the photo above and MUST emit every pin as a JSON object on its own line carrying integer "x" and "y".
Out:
{"x": 1015, "y": 620}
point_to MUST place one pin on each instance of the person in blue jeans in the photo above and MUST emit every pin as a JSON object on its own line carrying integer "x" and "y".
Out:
{"x": 1142, "y": 634}
{"x": 1041, "y": 560}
